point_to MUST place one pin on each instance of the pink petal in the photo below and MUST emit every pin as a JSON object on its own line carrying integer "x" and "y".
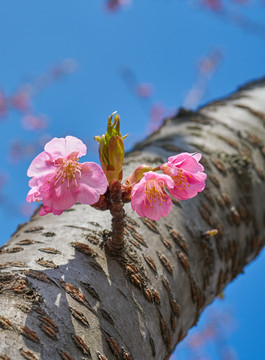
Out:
{"x": 166, "y": 179}
{"x": 63, "y": 147}
{"x": 59, "y": 197}
{"x": 138, "y": 198}
{"x": 93, "y": 183}
{"x": 197, "y": 156}
{"x": 183, "y": 194}
{"x": 41, "y": 165}
{"x": 196, "y": 183}
{"x": 46, "y": 210}
{"x": 185, "y": 161}
{"x": 33, "y": 195}
{"x": 73, "y": 144}
{"x": 198, "y": 177}
{"x": 155, "y": 213}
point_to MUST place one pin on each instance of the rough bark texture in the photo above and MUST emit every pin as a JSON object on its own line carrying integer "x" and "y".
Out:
{"x": 63, "y": 297}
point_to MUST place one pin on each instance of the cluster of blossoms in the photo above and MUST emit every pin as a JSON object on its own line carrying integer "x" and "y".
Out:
{"x": 182, "y": 177}
{"x": 59, "y": 180}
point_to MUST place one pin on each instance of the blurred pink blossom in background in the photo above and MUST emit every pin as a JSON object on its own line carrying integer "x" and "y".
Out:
{"x": 113, "y": 5}
{"x": 214, "y": 5}
{"x": 34, "y": 122}
{"x": 3, "y": 104}
{"x": 21, "y": 101}
{"x": 144, "y": 90}
{"x": 157, "y": 113}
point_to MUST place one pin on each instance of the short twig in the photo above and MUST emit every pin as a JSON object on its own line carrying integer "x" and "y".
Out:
{"x": 115, "y": 243}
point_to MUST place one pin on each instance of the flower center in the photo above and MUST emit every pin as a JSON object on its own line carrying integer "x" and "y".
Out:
{"x": 69, "y": 170}
{"x": 155, "y": 193}
{"x": 180, "y": 180}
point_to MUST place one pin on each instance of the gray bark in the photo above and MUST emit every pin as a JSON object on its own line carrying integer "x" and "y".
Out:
{"x": 63, "y": 297}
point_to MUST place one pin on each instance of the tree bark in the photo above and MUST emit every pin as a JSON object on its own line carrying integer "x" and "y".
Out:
{"x": 63, "y": 297}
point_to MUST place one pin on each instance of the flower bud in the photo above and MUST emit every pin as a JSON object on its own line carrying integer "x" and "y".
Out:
{"x": 136, "y": 176}
{"x": 111, "y": 149}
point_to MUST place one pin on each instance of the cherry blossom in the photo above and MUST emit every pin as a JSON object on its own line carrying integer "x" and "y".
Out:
{"x": 187, "y": 174}
{"x": 59, "y": 180}
{"x": 149, "y": 198}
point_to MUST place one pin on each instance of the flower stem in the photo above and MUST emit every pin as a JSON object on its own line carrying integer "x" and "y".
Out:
{"x": 156, "y": 168}
{"x": 115, "y": 243}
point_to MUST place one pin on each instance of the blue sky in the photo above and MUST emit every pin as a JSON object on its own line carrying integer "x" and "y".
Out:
{"x": 161, "y": 42}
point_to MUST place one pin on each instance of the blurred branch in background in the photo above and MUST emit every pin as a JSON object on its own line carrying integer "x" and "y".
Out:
{"x": 22, "y": 99}
{"x": 230, "y": 11}
{"x": 21, "y": 150}
{"x": 207, "y": 67}
{"x": 155, "y": 109}
{"x": 143, "y": 92}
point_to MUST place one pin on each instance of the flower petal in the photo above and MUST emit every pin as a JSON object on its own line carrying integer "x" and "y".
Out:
{"x": 46, "y": 210}
{"x": 155, "y": 213}
{"x": 166, "y": 179}
{"x": 93, "y": 183}
{"x": 33, "y": 195}
{"x": 137, "y": 198}
{"x": 63, "y": 147}
{"x": 40, "y": 165}
{"x": 197, "y": 156}
{"x": 186, "y": 161}
{"x": 59, "y": 197}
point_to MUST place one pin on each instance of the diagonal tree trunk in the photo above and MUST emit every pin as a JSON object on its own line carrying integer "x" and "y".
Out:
{"x": 63, "y": 297}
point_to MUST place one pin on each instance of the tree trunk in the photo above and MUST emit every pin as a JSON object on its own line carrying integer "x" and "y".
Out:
{"x": 63, "y": 297}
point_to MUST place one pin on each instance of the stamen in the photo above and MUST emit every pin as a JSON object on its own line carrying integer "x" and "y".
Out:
{"x": 67, "y": 169}
{"x": 155, "y": 192}
{"x": 180, "y": 180}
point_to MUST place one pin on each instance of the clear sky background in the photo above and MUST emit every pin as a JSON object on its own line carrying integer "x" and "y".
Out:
{"x": 157, "y": 42}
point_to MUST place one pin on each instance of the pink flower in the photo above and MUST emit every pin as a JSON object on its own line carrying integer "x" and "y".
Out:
{"x": 187, "y": 173}
{"x": 148, "y": 197}
{"x": 59, "y": 180}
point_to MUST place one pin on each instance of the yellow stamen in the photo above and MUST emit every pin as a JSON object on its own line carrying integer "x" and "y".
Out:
{"x": 67, "y": 171}
{"x": 154, "y": 193}
{"x": 180, "y": 180}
